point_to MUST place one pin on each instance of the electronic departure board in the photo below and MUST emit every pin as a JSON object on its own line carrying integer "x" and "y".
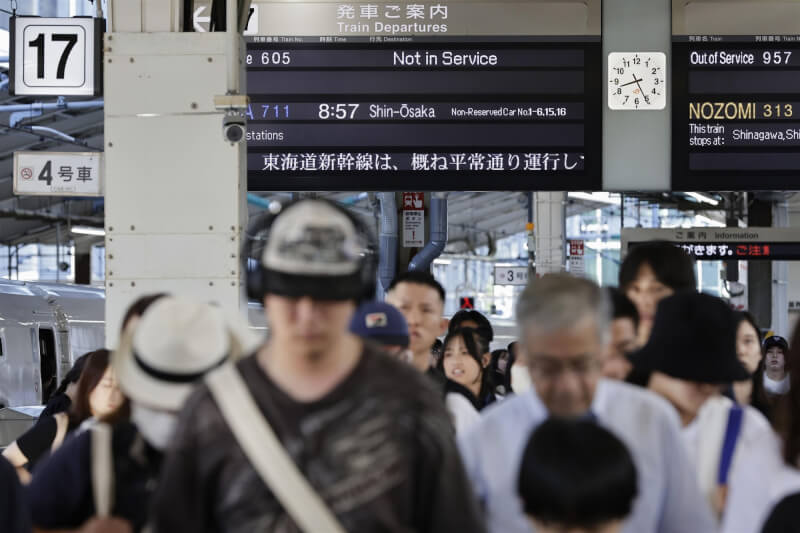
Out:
{"x": 425, "y": 96}
{"x": 722, "y": 244}
{"x": 736, "y": 112}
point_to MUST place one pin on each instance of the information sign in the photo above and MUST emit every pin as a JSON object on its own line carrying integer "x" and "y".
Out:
{"x": 434, "y": 96}
{"x": 718, "y": 244}
{"x": 56, "y": 56}
{"x": 577, "y": 265}
{"x": 413, "y": 219}
{"x": 511, "y": 275}
{"x": 736, "y": 112}
{"x": 413, "y": 228}
{"x": 58, "y": 173}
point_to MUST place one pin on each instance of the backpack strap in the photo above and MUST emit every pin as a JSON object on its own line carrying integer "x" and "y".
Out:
{"x": 102, "y": 469}
{"x": 266, "y": 453}
{"x": 62, "y": 424}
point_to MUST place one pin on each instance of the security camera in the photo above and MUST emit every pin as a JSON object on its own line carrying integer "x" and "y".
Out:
{"x": 234, "y": 127}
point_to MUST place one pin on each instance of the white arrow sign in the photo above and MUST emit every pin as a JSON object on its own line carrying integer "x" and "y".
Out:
{"x": 197, "y": 20}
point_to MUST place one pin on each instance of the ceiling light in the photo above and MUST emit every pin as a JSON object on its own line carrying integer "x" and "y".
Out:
{"x": 709, "y": 221}
{"x": 598, "y": 197}
{"x": 703, "y": 198}
{"x": 88, "y": 230}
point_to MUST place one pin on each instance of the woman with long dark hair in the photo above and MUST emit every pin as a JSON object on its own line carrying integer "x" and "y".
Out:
{"x": 97, "y": 397}
{"x": 62, "y": 398}
{"x": 500, "y": 371}
{"x": 651, "y": 272}
{"x": 748, "y": 350}
{"x": 469, "y": 388}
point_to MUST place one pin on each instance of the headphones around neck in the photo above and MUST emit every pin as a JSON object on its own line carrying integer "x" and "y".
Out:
{"x": 258, "y": 234}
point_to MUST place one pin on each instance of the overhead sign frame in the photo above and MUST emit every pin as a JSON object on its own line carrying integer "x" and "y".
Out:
{"x": 56, "y": 56}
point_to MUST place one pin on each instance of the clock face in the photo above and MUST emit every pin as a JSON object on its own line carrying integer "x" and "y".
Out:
{"x": 637, "y": 80}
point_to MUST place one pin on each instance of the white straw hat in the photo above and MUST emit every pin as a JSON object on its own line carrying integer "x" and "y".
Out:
{"x": 173, "y": 345}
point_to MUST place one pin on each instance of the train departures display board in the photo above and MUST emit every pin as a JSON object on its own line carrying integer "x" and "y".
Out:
{"x": 426, "y": 96}
{"x": 722, "y": 244}
{"x": 736, "y": 96}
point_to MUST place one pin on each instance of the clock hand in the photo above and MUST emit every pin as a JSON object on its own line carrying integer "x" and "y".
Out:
{"x": 630, "y": 82}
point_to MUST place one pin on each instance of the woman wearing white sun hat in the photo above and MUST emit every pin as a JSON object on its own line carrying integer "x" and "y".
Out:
{"x": 113, "y": 470}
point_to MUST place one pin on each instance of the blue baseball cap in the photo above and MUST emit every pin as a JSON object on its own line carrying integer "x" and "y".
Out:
{"x": 380, "y": 322}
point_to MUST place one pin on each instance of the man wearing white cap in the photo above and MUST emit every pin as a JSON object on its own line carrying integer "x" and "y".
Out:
{"x": 316, "y": 431}
{"x": 173, "y": 344}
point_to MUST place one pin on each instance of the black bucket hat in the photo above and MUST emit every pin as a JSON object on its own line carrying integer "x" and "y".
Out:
{"x": 694, "y": 339}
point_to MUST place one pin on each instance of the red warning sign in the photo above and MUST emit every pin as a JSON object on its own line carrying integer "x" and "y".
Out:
{"x": 413, "y": 201}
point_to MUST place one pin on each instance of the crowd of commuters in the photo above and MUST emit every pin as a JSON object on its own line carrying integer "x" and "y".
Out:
{"x": 648, "y": 408}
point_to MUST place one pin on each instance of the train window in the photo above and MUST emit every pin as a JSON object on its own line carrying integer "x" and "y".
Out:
{"x": 47, "y": 363}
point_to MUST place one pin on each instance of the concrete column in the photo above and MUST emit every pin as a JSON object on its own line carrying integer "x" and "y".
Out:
{"x": 550, "y": 231}
{"x": 636, "y": 144}
{"x": 759, "y": 273}
{"x": 175, "y": 189}
{"x": 83, "y": 261}
{"x": 780, "y": 276}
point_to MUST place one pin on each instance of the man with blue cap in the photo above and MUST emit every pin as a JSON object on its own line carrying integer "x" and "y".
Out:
{"x": 385, "y": 325}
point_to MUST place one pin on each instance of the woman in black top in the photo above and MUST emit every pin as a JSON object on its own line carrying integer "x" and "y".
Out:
{"x": 14, "y": 515}
{"x": 97, "y": 396}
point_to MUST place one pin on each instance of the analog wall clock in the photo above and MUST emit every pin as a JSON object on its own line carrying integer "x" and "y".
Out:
{"x": 637, "y": 81}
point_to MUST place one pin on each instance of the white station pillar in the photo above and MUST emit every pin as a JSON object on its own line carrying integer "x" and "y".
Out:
{"x": 780, "y": 275}
{"x": 176, "y": 187}
{"x": 550, "y": 232}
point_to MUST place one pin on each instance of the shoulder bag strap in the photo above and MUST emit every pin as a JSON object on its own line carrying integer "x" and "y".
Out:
{"x": 266, "y": 453}
{"x": 732, "y": 432}
{"x": 62, "y": 423}
{"x": 102, "y": 469}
